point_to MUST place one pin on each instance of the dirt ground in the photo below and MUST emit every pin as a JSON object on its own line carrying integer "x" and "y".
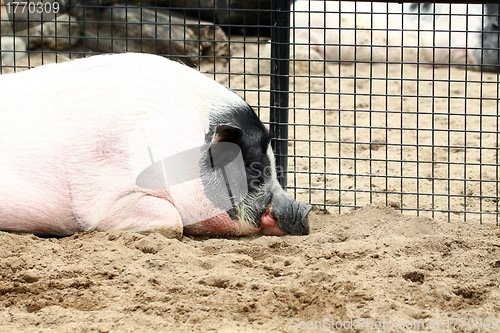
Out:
{"x": 372, "y": 263}
{"x": 401, "y": 271}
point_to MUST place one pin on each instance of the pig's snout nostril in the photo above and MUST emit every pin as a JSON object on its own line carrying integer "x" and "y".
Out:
{"x": 300, "y": 214}
{"x": 292, "y": 216}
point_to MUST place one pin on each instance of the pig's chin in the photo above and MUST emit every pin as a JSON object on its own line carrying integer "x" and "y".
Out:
{"x": 269, "y": 225}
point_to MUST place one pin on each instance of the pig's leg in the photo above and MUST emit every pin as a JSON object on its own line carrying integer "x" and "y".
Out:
{"x": 162, "y": 216}
{"x": 149, "y": 214}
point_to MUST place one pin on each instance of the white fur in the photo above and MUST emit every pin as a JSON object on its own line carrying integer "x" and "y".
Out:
{"x": 74, "y": 137}
{"x": 275, "y": 185}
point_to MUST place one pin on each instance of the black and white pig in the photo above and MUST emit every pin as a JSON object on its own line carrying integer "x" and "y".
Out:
{"x": 437, "y": 34}
{"x": 136, "y": 142}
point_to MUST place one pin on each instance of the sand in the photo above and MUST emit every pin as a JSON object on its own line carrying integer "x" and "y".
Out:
{"x": 397, "y": 269}
{"x": 372, "y": 263}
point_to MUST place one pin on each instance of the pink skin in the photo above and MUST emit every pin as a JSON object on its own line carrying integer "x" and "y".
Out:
{"x": 270, "y": 226}
{"x": 220, "y": 225}
{"x": 223, "y": 224}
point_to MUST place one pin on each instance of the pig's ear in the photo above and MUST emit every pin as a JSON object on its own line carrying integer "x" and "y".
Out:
{"x": 227, "y": 133}
{"x": 225, "y": 145}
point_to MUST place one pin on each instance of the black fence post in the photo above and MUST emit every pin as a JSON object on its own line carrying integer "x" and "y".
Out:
{"x": 280, "y": 55}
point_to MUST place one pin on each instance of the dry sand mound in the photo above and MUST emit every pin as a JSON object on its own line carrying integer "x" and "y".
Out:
{"x": 371, "y": 263}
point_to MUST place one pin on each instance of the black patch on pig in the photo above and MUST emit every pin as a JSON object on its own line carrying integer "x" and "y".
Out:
{"x": 242, "y": 127}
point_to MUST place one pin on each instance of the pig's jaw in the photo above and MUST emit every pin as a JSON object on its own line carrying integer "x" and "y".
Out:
{"x": 251, "y": 209}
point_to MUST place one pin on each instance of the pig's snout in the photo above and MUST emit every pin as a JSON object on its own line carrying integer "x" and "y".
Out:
{"x": 292, "y": 216}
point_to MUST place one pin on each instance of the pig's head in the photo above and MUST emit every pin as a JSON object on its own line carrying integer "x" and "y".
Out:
{"x": 238, "y": 162}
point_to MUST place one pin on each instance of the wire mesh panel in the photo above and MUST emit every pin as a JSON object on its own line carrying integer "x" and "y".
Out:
{"x": 187, "y": 30}
{"x": 397, "y": 105}
{"x": 389, "y": 104}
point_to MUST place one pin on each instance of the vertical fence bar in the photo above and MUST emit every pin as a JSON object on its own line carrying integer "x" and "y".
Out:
{"x": 280, "y": 54}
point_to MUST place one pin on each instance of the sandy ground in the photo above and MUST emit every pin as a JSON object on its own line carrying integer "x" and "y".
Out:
{"x": 374, "y": 262}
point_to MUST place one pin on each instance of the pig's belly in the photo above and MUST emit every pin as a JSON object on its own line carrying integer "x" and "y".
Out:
{"x": 34, "y": 197}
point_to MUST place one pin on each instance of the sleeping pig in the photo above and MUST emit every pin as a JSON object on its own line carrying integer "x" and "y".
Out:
{"x": 136, "y": 142}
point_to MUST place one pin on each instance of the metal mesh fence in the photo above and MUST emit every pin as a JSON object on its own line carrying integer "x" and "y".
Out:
{"x": 388, "y": 104}
{"x": 399, "y": 107}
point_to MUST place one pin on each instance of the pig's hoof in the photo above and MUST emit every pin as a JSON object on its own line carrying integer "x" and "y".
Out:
{"x": 169, "y": 222}
{"x": 154, "y": 214}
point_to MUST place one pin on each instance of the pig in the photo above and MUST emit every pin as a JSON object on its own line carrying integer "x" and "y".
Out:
{"x": 437, "y": 34}
{"x": 136, "y": 142}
